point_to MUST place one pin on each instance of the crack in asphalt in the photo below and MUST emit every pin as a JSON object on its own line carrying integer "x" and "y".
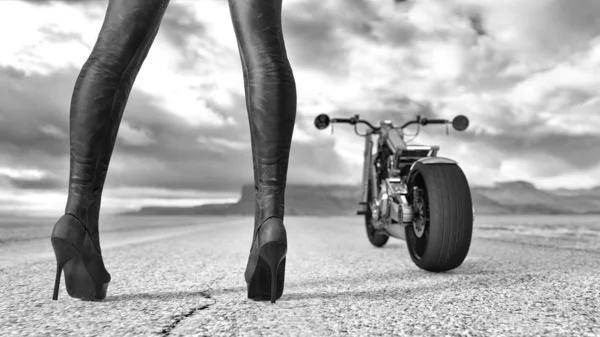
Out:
{"x": 166, "y": 331}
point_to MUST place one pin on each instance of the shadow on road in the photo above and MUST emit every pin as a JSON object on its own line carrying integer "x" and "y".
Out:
{"x": 472, "y": 273}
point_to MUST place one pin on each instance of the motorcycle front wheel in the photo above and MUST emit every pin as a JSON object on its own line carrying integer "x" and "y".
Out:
{"x": 376, "y": 238}
{"x": 440, "y": 236}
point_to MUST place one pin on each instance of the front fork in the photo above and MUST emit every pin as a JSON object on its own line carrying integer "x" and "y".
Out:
{"x": 369, "y": 173}
{"x": 367, "y": 168}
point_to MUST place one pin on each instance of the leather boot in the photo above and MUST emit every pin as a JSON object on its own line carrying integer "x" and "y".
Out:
{"x": 99, "y": 99}
{"x": 271, "y": 104}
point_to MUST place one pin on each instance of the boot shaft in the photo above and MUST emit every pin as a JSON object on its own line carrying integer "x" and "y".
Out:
{"x": 100, "y": 97}
{"x": 270, "y": 91}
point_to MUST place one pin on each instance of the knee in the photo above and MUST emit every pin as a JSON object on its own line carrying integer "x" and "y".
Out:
{"x": 129, "y": 29}
{"x": 272, "y": 66}
{"x": 106, "y": 62}
{"x": 112, "y": 57}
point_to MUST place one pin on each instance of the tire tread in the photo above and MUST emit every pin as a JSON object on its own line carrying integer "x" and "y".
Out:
{"x": 450, "y": 215}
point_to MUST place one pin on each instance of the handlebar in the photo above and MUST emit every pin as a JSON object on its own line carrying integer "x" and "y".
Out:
{"x": 460, "y": 122}
{"x": 424, "y": 121}
{"x": 353, "y": 121}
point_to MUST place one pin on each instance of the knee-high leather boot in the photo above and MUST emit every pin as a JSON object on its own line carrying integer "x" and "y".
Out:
{"x": 97, "y": 105}
{"x": 271, "y": 103}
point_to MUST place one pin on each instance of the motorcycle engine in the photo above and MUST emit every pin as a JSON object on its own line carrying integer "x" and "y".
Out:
{"x": 384, "y": 200}
{"x": 392, "y": 198}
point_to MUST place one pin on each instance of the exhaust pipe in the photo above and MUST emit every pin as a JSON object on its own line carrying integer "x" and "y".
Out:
{"x": 403, "y": 215}
{"x": 396, "y": 230}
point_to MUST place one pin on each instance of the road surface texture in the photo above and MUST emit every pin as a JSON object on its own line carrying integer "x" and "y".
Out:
{"x": 182, "y": 276}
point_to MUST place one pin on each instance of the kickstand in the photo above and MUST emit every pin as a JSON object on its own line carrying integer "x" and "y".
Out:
{"x": 447, "y": 133}
{"x": 332, "y": 128}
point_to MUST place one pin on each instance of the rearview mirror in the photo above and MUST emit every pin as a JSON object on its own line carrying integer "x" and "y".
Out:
{"x": 322, "y": 121}
{"x": 460, "y": 123}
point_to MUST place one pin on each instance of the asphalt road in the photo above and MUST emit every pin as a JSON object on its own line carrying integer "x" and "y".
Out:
{"x": 184, "y": 276}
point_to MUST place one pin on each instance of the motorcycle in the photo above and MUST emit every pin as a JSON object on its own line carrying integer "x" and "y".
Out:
{"x": 410, "y": 193}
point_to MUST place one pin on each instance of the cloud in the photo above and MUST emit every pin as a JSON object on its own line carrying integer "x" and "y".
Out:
{"x": 75, "y": 2}
{"x": 525, "y": 73}
{"x": 43, "y": 183}
{"x": 32, "y": 110}
{"x": 155, "y": 147}
{"x": 180, "y": 22}
{"x": 313, "y": 38}
{"x": 550, "y": 29}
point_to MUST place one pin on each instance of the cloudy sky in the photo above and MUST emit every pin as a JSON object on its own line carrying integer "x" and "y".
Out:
{"x": 526, "y": 73}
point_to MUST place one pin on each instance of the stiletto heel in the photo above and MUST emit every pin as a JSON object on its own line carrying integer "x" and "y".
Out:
{"x": 265, "y": 272}
{"x": 57, "y": 281}
{"x": 63, "y": 256}
{"x": 86, "y": 277}
{"x": 274, "y": 283}
{"x": 273, "y": 254}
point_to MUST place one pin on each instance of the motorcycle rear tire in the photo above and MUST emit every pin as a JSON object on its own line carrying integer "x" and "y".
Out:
{"x": 449, "y": 226}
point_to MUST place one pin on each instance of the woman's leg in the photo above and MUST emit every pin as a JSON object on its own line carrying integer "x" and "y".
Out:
{"x": 271, "y": 103}
{"x": 99, "y": 98}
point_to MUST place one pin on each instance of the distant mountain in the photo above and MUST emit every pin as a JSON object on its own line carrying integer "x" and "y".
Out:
{"x": 518, "y": 197}
{"x": 524, "y": 197}
{"x": 593, "y": 192}
{"x": 315, "y": 200}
